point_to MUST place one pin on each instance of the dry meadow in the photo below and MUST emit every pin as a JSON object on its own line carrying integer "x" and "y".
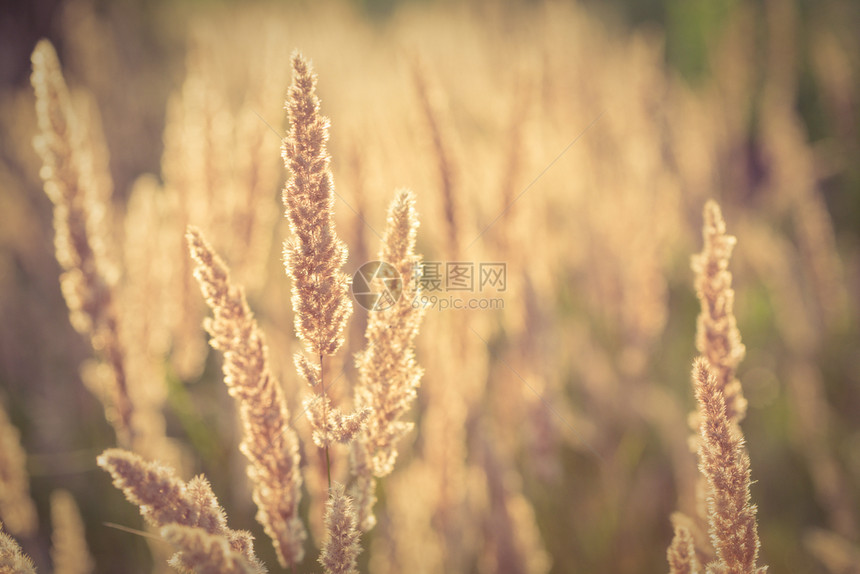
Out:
{"x": 425, "y": 287}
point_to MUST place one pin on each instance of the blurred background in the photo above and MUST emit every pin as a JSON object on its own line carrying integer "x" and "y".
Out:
{"x": 575, "y": 142}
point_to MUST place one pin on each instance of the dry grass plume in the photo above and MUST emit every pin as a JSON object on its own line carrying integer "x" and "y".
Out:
{"x": 269, "y": 443}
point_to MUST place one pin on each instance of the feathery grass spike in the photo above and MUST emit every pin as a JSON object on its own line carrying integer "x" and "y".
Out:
{"x": 79, "y": 238}
{"x": 364, "y": 489}
{"x": 314, "y": 255}
{"x": 717, "y": 335}
{"x": 12, "y": 558}
{"x": 725, "y": 464}
{"x": 164, "y": 499}
{"x": 388, "y": 372}
{"x": 682, "y": 553}
{"x": 332, "y": 425}
{"x": 341, "y": 547}
{"x": 205, "y": 553}
{"x": 268, "y": 442}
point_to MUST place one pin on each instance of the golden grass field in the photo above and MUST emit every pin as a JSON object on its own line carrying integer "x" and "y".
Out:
{"x": 617, "y": 328}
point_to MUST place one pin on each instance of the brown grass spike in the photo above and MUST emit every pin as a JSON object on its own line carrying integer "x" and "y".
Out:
{"x": 342, "y": 546}
{"x": 268, "y": 442}
{"x": 388, "y": 373}
{"x": 12, "y": 559}
{"x": 205, "y": 553}
{"x": 717, "y": 335}
{"x": 682, "y": 553}
{"x": 164, "y": 499}
{"x": 79, "y": 240}
{"x": 314, "y": 255}
{"x": 725, "y": 464}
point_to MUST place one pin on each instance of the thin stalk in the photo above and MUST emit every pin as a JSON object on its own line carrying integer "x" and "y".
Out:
{"x": 325, "y": 418}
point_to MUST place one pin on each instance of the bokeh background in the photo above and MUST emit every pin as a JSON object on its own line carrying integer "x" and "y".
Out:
{"x": 552, "y": 434}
